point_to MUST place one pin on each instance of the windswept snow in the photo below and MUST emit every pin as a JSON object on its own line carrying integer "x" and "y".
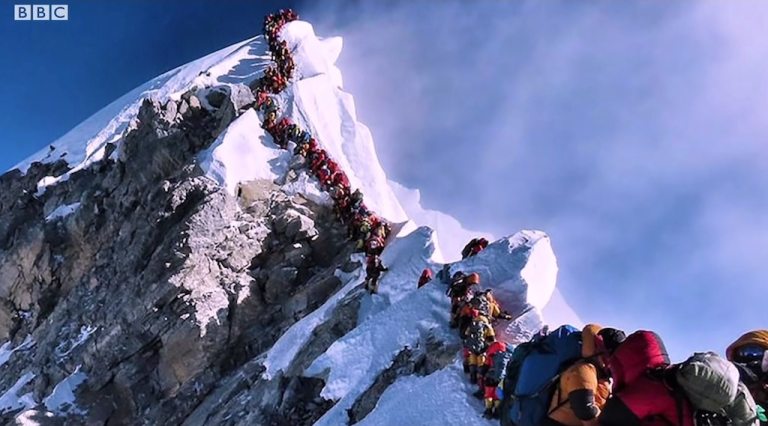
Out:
{"x": 520, "y": 267}
{"x": 12, "y": 401}
{"x": 62, "y": 211}
{"x": 62, "y": 399}
{"x": 353, "y": 362}
{"x": 316, "y": 102}
{"x": 284, "y": 351}
{"x": 313, "y": 55}
{"x": 441, "y": 398}
{"x": 244, "y": 152}
{"x": 403, "y": 316}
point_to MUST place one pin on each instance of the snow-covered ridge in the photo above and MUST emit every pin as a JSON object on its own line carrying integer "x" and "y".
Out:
{"x": 521, "y": 268}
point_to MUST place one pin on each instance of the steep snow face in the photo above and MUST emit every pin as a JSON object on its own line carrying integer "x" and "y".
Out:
{"x": 441, "y": 398}
{"x": 520, "y": 267}
{"x": 317, "y": 103}
{"x": 402, "y": 316}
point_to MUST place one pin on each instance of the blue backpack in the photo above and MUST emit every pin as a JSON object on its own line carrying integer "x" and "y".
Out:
{"x": 547, "y": 357}
{"x": 498, "y": 370}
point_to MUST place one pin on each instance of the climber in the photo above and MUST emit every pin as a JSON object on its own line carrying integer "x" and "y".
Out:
{"x": 359, "y": 226}
{"x": 584, "y": 387}
{"x": 472, "y": 303}
{"x": 381, "y": 229}
{"x": 444, "y": 274}
{"x": 357, "y": 199}
{"x": 461, "y": 283}
{"x": 494, "y": 309}
{"x": 292, "y": 132}
{"x": 460, "y": 295}
{"x": 426, "y": 276}
{"x": 454, "y": 281}
{"x": 361, "y": 231}
{"x": 642, "y": 389}
{"x": 337, "y": 193}
{"x": 305, "y": 138}
{"x": 268, "y": 107}
{"x": 477, "y": 337}
{"x": 326, "y": 178}
{"x": 340, "y": 178}
{"x": 373, "y": 271}
{"x": 474, "y": 247}
{"x": 307, "y": 149}
{"x": 281, "y": 52}
{"x": 287, "y": 67}
{"x": 491, "y": 374}
{"x": 318, "y": 161}
{"x": 750, "y": 355}
{"x": 374, "y": 245}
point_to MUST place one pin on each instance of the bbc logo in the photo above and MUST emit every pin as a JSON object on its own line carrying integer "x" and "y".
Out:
{"x": 41, "y": 12}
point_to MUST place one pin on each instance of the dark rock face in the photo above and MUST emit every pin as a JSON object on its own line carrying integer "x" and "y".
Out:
{"x": 160, "y": 286}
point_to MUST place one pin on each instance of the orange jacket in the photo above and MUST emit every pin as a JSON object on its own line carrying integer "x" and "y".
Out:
{"x": 758, "y": 389}
{"x": 580, "y": 377}
{"x": 757, "y": 337}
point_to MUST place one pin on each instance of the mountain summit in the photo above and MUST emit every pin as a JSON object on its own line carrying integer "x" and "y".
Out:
{"x": 172, "y": 260}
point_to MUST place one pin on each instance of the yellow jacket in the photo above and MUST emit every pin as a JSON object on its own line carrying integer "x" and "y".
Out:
{"x": 581, "y": 376}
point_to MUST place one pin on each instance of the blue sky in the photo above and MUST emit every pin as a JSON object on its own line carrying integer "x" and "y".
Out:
{"x": 56, "y": 74}
{"x": 632, "y": 132}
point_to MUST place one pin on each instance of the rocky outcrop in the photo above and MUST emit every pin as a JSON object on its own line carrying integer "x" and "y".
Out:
{"x": 157, "y": 284}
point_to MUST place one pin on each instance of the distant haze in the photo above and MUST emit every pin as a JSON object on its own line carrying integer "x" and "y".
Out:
{"x": 634, "y": 133}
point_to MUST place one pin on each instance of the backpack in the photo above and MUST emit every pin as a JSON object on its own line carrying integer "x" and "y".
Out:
{"x": 476, "y": 332}
{"x": 742, "y": 412}
{"x": 710, "y": 382}
{"x": 547, "y": 356}
{"x": 499, "y": 362}
{"x": 482, "y": 304}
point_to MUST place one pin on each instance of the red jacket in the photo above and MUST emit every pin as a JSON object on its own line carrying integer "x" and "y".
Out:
{"x": 323, "y": 175}
{"x": 340, "y": 178}
{"x": 426, "y": 276}
{"x": 493, "y": 349}
{"x": 638, "y": 398}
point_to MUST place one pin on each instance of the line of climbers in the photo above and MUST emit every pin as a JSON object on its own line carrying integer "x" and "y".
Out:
{"x": 365, "y": 228}
{"x": 473, "y": 313}
{"x": 570, "y": 377}
{"x": 601, "y": 376}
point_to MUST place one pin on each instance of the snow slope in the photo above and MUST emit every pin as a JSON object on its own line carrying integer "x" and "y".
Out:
{"x": 522, "y": 268}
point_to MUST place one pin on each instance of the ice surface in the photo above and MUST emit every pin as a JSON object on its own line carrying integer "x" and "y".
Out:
{"x": 62, "y": 211}
{"x": 62, "y": 399}
{"x": 11, "y": 400}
